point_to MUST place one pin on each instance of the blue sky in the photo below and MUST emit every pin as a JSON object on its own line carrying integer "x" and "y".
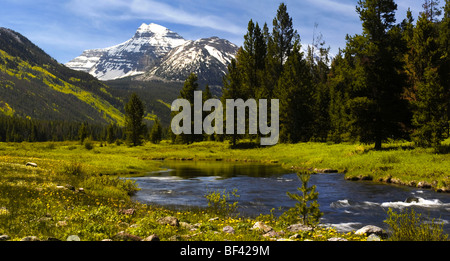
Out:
{"x": 64, "y": 28}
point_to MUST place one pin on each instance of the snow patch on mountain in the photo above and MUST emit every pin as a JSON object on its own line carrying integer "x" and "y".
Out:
{"x": 157, "y": 53}
{"x": 206, "y": 57}
{"x": 143, "y": 51}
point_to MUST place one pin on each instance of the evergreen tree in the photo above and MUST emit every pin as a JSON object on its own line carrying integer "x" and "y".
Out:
{"x": 252, "y": 60}
{"x": 82, "y": 132}
{"x": 340, "y": 82}
{"x": 307, "y": 206}
{"x": 251, "y": 64}
{"x": 431, "y": 9}
{"x": 409, "y": 57}
{"x": 187, "y": 92}
{"x": 379, "y": 54}
{"x": 279, "y": 47}
{"x": 156, "y": 132}
{"x": 318, "y": 62}
{"x": 295, "y": 92}
{"x": 134, "y": 116}
{"x": 444, "y": 72}
{"x": 206, "y": 96}
{"x": 110, "y": 133}
{"x": 431, "y": 97}
{"x": 232, "y": 89}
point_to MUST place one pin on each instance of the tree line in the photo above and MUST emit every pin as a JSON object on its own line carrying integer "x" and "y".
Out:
{"x": 389, "y": 82}
{"x": 18, "y": 129}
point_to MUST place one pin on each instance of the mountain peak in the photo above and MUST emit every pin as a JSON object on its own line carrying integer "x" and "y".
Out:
{"x": 154, "y": 46}
{"x": 154, "y": 28}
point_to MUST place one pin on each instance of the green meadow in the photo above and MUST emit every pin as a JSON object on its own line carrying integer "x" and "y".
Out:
{"x": 79, "y": 190}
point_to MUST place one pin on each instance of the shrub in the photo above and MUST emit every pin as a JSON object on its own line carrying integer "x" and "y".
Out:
{"x": 410, "y": 226}
{"x": 74, "y": 168}
{"x": 218, "y": 203}
{"x": 88, "y": 144}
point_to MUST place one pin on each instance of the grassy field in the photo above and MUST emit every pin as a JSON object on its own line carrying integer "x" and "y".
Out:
{"x": 76, "y": 190}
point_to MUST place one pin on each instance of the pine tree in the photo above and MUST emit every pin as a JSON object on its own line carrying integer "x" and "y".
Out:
{"x": 431, "y": 9}
{"x": 307, "y": 206}
{"x": 252, "y": 60}
{"x": 110, "y": 133}
{"x": 318, "y": 62}
{"x": 409, "y": 57}
{"x": 379, "y": 55}
{"x": 279, "y": 46}
{"x": 340, "y": 81}
{"x": 156, "y": 132}
{"x": 187, "y": 92}
{"x": 82, "y": 132}
{"x": 431, "y": 97}
{"x": 134, "y": 116}
{"x": 206, "y": 95}
{"x": 444, "y": 72}
{"x": 231, "y": 89}
{"x": 295, "y": 92}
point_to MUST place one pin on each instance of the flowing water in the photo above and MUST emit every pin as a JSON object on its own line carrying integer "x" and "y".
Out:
{"x": 347, "y": 205}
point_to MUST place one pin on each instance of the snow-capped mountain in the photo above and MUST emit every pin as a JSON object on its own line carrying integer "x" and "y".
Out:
{"x": 156, "y": 53}
{"x": 87, "y": 60}
{"x": 142, "y": 52}
{"x": 207, "y": 57}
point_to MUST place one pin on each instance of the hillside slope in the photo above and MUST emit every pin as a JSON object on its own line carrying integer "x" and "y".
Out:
{"x": 34, "y": 85}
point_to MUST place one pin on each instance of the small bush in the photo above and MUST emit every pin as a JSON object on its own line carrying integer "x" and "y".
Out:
{"x": 410, "y": 226}
{"x": 88, "y": 144}
{"x": 218, "y": 203}
{"x": 74, "y": 168}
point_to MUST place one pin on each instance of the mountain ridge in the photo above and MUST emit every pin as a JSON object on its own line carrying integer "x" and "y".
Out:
{"x": 149, "y": 56}
{"x": 34, "y": 85}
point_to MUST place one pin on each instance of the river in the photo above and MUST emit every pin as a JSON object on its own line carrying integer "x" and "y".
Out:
{"x": 347, "y": 205}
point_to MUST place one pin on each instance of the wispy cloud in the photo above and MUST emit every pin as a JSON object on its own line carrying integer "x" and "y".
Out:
{"x": 343, "y": 8}
{"x": 151, "y": 11}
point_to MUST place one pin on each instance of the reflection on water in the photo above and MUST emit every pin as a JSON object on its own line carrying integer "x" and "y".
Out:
{"x": 347, "y": 205}
{"x": 220, "y": 169}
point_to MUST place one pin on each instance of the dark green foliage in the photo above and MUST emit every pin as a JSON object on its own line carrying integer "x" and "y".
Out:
{"x": 134, "y": 116}
{"x": 82, "y": 132}
{"x": 112, "y": 133}
{"x": 429, "y": 90}
{"x": 187, "y": 93}
{"x": 280, "y": 44}
{"x": 377, "y": 52}
{"x": 156, "y": 132}
{"x": 444, "y": 72}
{"x": 295, "y": 92}
{"x": 15, "y": 129}
{"x": 232, "y": 89}
{"x": 318, "y": 61}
